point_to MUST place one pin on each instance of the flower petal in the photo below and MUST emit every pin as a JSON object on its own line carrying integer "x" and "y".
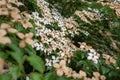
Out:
{"x": 22, "y": 44}
{"x": 5, "y": 26}
{"x": 59, "y": 72}
{"x": 4, "y": 11}
{"x": 12, "y": 30}
{"x": 5, "y": 40}
{"x": 29, "y": 35}
{"x": 56, "y": 65}
{"x": 62, "y": 63}
{"x": 21, "y": 35}
{"x": 29, "y": 41}
{"x": 2, "y": 32}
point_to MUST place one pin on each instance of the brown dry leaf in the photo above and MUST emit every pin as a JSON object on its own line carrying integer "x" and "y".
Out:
{"x": 4, "y": 11}
{"x": 1, "y": 65}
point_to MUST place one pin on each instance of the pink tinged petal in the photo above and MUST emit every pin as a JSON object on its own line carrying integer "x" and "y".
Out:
{"x": 29, "y": 35}
{"x": 5, "y": 26}
{"x": 1, "y": 64}
{"x": 20, "y": 35}
{"x": 2, "y": 33}
{"x": 22, "y": 44}
{"x": 29, "y": 41}
{"x": 12, "y": 30}
{"x": 62, "y": 63}
{"x": 57, "y": 66}
{"x": 5, "y": 40}
{"x": 59, "y": 72}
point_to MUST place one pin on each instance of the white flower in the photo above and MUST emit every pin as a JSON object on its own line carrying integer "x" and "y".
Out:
{"x": 93, "y": 57}
{"x": 27, "y": 78}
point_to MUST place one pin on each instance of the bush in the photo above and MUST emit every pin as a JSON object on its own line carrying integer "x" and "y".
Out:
{"x": 59, "y": 40}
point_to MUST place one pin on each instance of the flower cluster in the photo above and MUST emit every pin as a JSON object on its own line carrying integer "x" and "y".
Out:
{"x": 113, "y": 4}
{"x": 54, "y": 39}
{"x": 92, "y": 54}
{"x": 61, "y": 69}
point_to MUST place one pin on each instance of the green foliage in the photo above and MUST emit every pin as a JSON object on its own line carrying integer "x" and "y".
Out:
{"x": 36, "y": 62}
{"x": 22, "y": 62}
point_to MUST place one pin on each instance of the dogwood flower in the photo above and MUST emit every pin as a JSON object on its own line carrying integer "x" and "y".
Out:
{"x": 93, "y": 57}
{"x": 25, "y": 39}
{"x": 3, "y": 38}
{"x": 60, "y": 67}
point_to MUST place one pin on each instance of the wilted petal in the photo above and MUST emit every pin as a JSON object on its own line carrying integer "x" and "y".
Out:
{"x": 15, "y": 15}
{"x": 21, "y": 35}
{"x": 12, "y": 30}
{"x": 5, "y": 40}
{"x": 62, "y": 63}
{"x": 2, "y": 32}
{"x": 102, "y": 77}
{"x": 96, "y": 74}
{"x": 5, "y": 26}
{"x": 19, "y": 4}
{"x": 4, "y": 11}
{"x": 2, "y": 2}
{"x": 22, "y": 44}
{"x": 29, "y": 41}
{"x": 56, "y": 65}
{"x": 59, "y": 72}
{"x": 29, "y": 35}
{"x": 26, "y": 24}
{"x": 82, "y": 73}
{"x": 1, "y": 64}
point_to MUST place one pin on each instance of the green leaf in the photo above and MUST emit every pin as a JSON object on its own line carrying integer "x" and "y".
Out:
{"x": 15, "y": 71}
{"x": 37, "y": 63}
{"x": 51, "y": 76}
{"x": 105, "y": 70}
{"x": 16, "y": 54}
{"x": 5, "y": 77}
{"x": 36, "y": 76}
